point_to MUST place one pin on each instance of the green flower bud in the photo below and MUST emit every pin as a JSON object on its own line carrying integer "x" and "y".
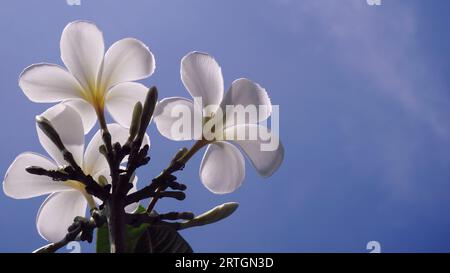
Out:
{"x": 148, "y": 109}
{"x": 136, "y": 120}
{"x": 214, "y": 215}
{"x": 102, "y": 181}
{"x": 48, "y": 129}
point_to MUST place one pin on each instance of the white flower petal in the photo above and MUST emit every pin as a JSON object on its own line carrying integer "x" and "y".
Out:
{"x": 127, "y": 60}
{"x": 82, "y": 51}
{"x": 170, "y": 114}
{"x": 20, "y": 184}
{"x": 202, "y": 77}
{"x": 94, "y": 161}
{"x": 249, "y": 95}
{"x": 86, "y": 112}
{"x": 58, "y": 212}
{"x": 121, "y": 99}
{"x": 49, "y": 83}
{"x": 267, "y": 161}
{"x": 223, "y": 168}
{"x": 67, "y": 122}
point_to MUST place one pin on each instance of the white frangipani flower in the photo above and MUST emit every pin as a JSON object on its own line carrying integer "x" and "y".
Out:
{"x": 67, "y": 199}
{"x": 93, "y": 79}
{"x": 223, "y": 167}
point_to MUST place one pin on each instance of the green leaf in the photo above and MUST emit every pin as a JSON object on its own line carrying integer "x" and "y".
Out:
{"x": 146, "y": 239}
{"x": 132, "y": 235}
{"x": 102, "y": 244}
{"x": 140, "y": 210}
{"x": 162, "y": 239}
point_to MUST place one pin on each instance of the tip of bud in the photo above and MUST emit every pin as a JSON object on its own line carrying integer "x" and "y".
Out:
{"x": 180, "y": 196}
{"x": 42, "y": 119}
{"x": 46, "y": 126}
{"x": 153, "y": 91}
{"x": 36, "y": 170}
{"x": 230, "y": 206}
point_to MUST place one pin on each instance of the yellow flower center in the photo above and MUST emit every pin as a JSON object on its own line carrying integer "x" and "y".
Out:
{"x": 95, "y": 95}
{"x": 82, "y": 189}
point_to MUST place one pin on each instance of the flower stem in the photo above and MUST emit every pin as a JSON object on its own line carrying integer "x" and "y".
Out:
{"x": 114, "y": 206}
{"x": 101, "y": 118}
{"x": 194, "y": 149}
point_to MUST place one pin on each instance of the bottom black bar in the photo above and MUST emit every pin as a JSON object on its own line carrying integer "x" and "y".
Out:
{"x": 227, "y": 262}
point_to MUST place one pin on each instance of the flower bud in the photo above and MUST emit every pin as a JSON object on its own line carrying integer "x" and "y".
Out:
{"x": 102, "y": 150}
{"x": 44, "y": 249}
{"x": 136, "y": 120}
{"x": 102, "y": 181}
{"x": 48, "y": 129}
{"x": 214, "y": 215}
{"x": 148, "y": 109}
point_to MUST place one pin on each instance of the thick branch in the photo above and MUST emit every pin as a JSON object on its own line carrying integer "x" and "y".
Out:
{"x": 114, "y": 153}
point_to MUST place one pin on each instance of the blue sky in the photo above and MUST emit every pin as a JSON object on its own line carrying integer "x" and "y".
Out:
{"x": 364, "y": 109}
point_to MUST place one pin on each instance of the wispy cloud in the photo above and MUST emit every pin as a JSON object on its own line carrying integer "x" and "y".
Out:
{"x": 378, "y": 43}
{"x": 381, "y": 48}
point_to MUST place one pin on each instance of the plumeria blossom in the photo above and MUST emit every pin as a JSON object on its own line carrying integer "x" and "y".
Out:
{"x": 93, "y": 80}
{"x": 67, "y": 199}
{"x": 222, "y": 168}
